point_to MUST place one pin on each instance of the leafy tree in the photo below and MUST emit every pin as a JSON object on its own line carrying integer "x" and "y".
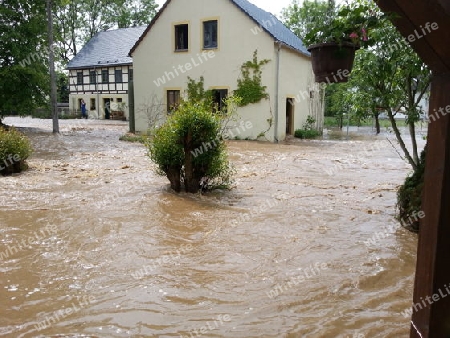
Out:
{"x": 387, "y": 76}
{"x": 63, "y": 87}
{"x": 77, "y": 21}
{"x": 395, "y": 77}
{"x": 23, "y": 86}
{"x": 302, "y": 19}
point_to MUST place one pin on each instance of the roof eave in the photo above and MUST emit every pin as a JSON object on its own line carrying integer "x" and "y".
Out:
{"x": 308, "y": 55}
{"x": 103, "y": 65}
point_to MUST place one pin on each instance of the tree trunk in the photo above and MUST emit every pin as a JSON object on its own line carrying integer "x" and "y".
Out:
{"x": 51, "y": 61}
{"x": 377, "y": 123}
{"x": 191, "y": 182}
{"x": 173, "y": 174}
{"x": 412, "y": 131}
{"x": 400, "y": 140}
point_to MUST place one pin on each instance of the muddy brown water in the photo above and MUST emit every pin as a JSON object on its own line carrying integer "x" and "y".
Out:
{"x": 94, "y": 244}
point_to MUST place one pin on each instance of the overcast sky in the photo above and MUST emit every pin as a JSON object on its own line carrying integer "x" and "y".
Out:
{"x": 272, "y": 6}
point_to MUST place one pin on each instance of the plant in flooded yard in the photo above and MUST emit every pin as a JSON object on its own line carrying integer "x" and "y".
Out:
{"x": 409, "y": 195}
{"x": 249, "y": 85}
{"x": 15, "y": 148}
{"x": 190, "y": 149}
{"x": 308, "y": 131}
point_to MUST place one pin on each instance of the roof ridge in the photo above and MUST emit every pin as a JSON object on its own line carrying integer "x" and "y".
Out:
{"x": 277, "y": 30}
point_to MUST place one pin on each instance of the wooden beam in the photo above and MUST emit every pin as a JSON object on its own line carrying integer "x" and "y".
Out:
{"x": 431, "y": 312}
{"x": 412, "y": 16}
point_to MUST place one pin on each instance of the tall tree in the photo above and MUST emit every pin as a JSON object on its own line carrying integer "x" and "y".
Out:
{"x": 24, "y": 80}
{"x": 301, "y": 18}
{"x": 77, "y": 21}
{"x": 389, "y": 76}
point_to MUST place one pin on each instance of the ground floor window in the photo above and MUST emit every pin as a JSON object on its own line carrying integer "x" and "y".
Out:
{"x": 173, "y": 100}
{"x": 219, "y": 96}
{"x": 93, "y": 105}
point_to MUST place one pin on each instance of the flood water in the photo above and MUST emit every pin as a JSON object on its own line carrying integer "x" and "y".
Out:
{"x": 94, "y": 244}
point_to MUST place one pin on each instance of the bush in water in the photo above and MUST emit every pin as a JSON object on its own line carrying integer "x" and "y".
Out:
{"x": 15, "y": 148}
{"x": 409, "y": 195}
{"x": 190, "y": 149}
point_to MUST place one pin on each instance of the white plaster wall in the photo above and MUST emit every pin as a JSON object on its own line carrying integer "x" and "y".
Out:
{"x": 296, "y": 81}
{"x": 155, "y": 56}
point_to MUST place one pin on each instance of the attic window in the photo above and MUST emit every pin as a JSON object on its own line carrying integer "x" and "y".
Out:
{"x": 182, "y": 37}
{"x": 210, "y": 34}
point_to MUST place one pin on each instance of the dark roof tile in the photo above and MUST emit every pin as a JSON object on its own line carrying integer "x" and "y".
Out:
{"x": 107, "y": 48}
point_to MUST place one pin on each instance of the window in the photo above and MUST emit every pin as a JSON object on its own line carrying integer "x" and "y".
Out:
{"x": 118, "y": 75}
{"x": 130, "y": 75}
{"x": 173, "y": 100}
{"x": 79, "y": 78}
{"x": 92, "y": 77}
{"x": 219, "y": 95}
{"x": 181, "y": 37}
{"x": 93, "y": 105}
{"x": 105, "y": 76}
{"x": 210, "y": 34}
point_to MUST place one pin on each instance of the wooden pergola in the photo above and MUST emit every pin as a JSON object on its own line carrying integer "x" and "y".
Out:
{"x": 432, "y": 283}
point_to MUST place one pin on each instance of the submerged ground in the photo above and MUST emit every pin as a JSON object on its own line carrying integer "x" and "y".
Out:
{"x": 94, "y": 244}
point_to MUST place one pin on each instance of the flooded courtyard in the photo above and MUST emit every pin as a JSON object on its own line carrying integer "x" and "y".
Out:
{"x": 95, "y": 244}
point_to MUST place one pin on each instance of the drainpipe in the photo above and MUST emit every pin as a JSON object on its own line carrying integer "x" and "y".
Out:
{"x": 277, "y": 90}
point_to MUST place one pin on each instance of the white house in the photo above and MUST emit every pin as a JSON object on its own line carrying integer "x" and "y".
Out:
{"x": 213, "y": 38}
{"x": 100, "y": 72}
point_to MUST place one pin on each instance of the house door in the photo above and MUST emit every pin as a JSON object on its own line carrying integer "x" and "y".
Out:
{"x": 107, "y": 106}
{"x": 289, "y": 116}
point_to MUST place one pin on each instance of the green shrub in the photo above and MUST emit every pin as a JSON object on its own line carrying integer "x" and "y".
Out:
{"x": 306, "y": 134}
{"x": 409, "y": 196}
{"x": 308, "y": 131}
{"x": 190, "y": 150}
{"x": 134, "y": 138}
{"x": 15, "y": 148}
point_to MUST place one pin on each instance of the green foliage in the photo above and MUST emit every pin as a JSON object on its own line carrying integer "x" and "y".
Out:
{"x": 134, "y": 138}
{"x": 15, "y": 148}
{"x": 385, "y": 77}
{"x": 77, "y": 21}
{"x": 409, "y": 195}
{"x": 303, "y": 18}
{"x": 63, "y": 87}
{"x": 190, "y": 149}
{"x": 23, "y": 86}
{"x": 308, "y": 131}
{"x": 196, "y": 92}
{"x": 351, "y": 22}
{"x": 306, "y": 134}
{"x": 250, "y": 88}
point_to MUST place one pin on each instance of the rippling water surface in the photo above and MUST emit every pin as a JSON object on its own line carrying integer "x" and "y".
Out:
{"x": 94, "y": 244}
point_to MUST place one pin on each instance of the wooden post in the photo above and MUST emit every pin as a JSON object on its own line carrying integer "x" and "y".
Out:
{"x": 431, "y": 310}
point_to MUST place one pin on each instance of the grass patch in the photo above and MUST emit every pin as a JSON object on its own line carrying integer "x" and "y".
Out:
{"x": 134, "y": 138}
